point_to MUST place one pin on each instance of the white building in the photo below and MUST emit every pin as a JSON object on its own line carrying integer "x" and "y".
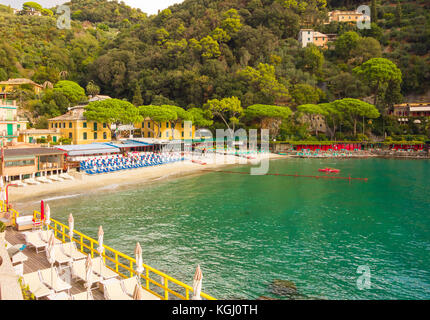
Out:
{"x": 307, "y": 36}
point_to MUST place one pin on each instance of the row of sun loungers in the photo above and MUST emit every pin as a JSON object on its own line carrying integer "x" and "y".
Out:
{"x": 48, "y": 283}
{"x": 44, "y": 179}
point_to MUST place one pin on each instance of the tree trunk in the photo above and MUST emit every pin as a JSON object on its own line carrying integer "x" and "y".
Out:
{"x": 355, "y": 127}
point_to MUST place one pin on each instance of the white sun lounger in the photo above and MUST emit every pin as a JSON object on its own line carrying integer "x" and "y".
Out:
{"x": 66, "y": 176}
{"x": 46, "y": 234}
{"x": 105, "y": 272}
{"x": 19, "y": 183}
{"x": 129, "y": 285}
{"x": 33, "y": 239}
{"x": 79, "y": 272}
{"x": 31, "y": 181}
{"x": 43, "y": 179}
{"x": 60, "y": 257}
{"x": 37, "y": 288}
{"x": 114, "y": 291}
{"x": 55, "y": 178}
{"x": 52, "y": 279}
{"x": 59, "y": 296}
{"x": 69, "y": 249}
{"x": 83, "y": 296}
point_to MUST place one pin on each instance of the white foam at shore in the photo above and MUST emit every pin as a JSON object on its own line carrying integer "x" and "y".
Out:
{"x": 60, "y": 197}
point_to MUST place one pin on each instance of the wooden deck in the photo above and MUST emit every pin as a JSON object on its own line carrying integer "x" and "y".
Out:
{"x": 38, "y": 261}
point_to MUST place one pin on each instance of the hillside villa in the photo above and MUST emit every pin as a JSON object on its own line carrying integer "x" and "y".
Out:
{"x": 344, "y": 16}
{"x": 10, "y": 123}
{"x": 7, "y": 87}
{"x": 77, "y": 128}
{"x": 404, "y": 111}
{"x": 319, "y": 39}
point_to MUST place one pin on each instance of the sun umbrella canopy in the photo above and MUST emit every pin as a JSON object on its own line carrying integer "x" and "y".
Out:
{"x": 89, "y": 271}
{"x": 42, "y": 210}
{"x": 197, "y": 283}
{"x": 47, "y": 215}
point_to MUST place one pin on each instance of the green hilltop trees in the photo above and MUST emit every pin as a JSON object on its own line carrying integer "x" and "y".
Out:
{"x": 112, "y": 111}
{"x": 73, "y": 91}
{"x": 158, "y": 115}
{"x": 181, "y": 115}
{"x": 270, "y": 117}
{"x": 380, "y": 74}
{"x": 312, "y": 111}
{"x": 356, "y": 109}
{"x": 229, "y": 110}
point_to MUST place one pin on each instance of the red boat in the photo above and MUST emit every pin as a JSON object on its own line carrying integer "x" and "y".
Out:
{"x": 329, "y": 170}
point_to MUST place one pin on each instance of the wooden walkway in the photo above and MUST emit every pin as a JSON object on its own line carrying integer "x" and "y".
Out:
{"x": 38, "y": 261}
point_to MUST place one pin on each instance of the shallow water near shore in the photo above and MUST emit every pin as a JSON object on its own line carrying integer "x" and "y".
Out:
{"x": 245, "y": 231}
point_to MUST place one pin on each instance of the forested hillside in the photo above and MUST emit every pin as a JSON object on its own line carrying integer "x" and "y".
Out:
{"x": 211, "y": 49}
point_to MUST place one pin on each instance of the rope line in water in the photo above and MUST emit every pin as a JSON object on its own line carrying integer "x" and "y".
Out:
{"x": 293, "y": 175}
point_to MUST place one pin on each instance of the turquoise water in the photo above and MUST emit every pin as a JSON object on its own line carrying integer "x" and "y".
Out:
{"x": 245, "y": 231}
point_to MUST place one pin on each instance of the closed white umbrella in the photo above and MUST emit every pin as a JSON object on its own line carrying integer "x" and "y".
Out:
{"x": 71, "y": 227}
{"x": 89, "y": 271}
{"x": 139, "y": 262}
{"x": 50, "y": 254}
{"x": 197, "y": 284}
{"x": 100, "y": 247}
{"x": 47, "y": 215}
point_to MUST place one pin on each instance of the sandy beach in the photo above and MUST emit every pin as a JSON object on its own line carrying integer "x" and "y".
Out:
{"x": 83, "y": 182}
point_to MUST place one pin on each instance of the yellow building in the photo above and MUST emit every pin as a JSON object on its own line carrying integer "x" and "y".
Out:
{"x": 78, "y": 129}
{"x": 35, "y": 135}
{"x": 7, "y": 87}
{"x": 149, "y": 129}
{"x": 307, "y": 36}
{"x": 344, "y": 16}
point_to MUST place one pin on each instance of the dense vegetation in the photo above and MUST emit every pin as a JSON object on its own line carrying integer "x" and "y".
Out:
{"x": 197, "y": 53}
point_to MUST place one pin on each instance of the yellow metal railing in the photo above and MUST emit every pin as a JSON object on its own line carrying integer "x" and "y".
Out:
{"x": 123, "y": 264}
{"x": 13, "y": 212}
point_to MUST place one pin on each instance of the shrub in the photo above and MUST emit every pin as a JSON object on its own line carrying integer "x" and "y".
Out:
{"x": 2, "y": 226}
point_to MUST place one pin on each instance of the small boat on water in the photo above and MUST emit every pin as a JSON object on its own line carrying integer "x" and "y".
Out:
{"x": 329, "y": 170}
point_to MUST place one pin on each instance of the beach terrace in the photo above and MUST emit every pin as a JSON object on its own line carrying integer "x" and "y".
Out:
{"x": 119, "y": 270}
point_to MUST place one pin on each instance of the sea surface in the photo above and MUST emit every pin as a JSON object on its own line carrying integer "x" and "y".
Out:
{"x": 246, "y": 231}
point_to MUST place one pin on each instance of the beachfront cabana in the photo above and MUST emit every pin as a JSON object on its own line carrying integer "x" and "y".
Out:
{"x": 132, "y": 146}
{"x": 22, "y": 163}
{"x": 88, "y": 150}
{"x": 332, "y": 146}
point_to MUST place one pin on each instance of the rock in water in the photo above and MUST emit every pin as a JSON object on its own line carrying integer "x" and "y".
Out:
{"x": 266, "y": 298}
{"x": 284, "y": 288}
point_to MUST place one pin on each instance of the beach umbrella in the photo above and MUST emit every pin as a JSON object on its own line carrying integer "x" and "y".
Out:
{"x": 47, "y": 215}
{"x": 139, "y": 262}
{"x": 89, "y": 271}
{"x": 138, "y": 292}
{"x": 100, "y": 247}
{"x": 42, "y": 210}
{"x": 197, "y": 284}
{"x": 50, "y": 254}
{"x": 71, "y": 227}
